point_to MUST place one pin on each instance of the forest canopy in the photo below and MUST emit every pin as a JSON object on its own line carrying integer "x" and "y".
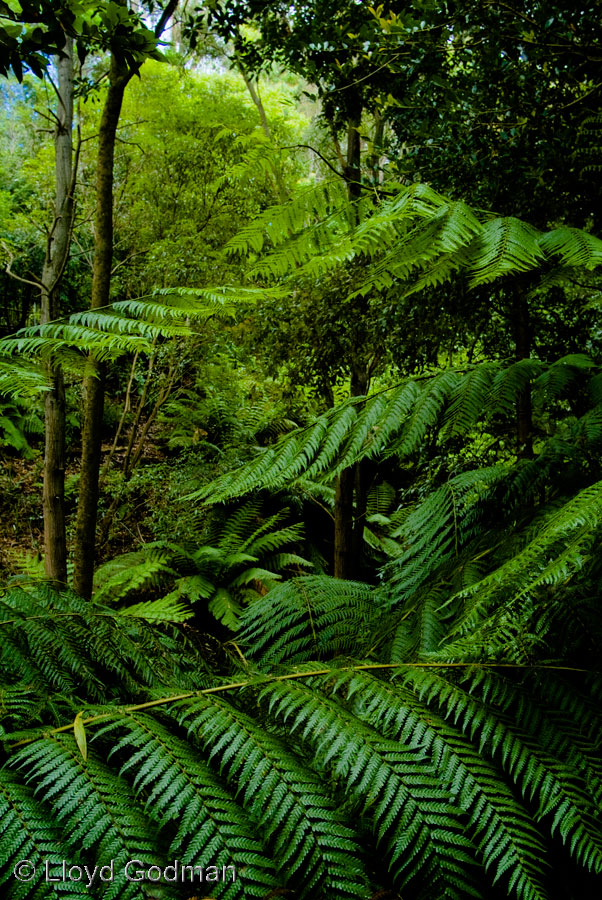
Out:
{"x": 301, "y": 450}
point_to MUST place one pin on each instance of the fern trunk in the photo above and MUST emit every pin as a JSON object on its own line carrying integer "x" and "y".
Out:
{"x": 524, "y": 412}
{"x": 350, "y": 496}
{"x": 85, "y": 529}
{"x": 57, "y": 254}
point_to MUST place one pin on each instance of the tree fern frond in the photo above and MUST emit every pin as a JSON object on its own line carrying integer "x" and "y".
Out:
{"x": 27, "y": 832}
{"x": 572, "y": 246}
{"x": 560, "y": 549}
{"x": 469, "y": 398}
{"x": 417, "y": 828}
{"x": 20, "y": 378}
{"x": 437, "y": 529}
{"x": 311, "y": 844}
{"x": 501, "y": 827}
{"x": 62, "y": 644}
{"x": 165, "y": 609}
{"x": 307, "y": 618}
{"x": 99, "y": 807}
{"x": 177, "y": 786}
{"x": 277, "y": 224}
{"x": 132, "y": 572}
{"x": 562, "y": 798}
{"x": 504, "y": 245}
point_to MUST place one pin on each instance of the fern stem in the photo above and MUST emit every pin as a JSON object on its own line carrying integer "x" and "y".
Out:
{"x": 266, "y": 679}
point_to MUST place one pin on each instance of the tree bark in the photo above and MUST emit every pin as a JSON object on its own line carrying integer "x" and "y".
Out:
{"x": 87, "y": 507}
{"x": 348, "y": 533}
{"x": 281, "y": 190}
{"x": 343, "y": 525}
{"x": 57, "y": 254}
{"x": 360, "y": 384}
{"x": 524, "y": 412}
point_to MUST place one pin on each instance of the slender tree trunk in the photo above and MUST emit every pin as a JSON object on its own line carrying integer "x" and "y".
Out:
{"x": 347, "y": 534}
{"x": 376, "y": 148}
{"x": 85, "y": 528}
{"x": 57, "y": 254}
{"x": 524, "y": 412}
{"x": 281, "y": 190}
{"x": 360, "y": 383}
{"x": 343, "y": 525}
{"x": 87, "y": 508}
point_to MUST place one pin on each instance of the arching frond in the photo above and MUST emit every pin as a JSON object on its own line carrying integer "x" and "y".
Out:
{"x": 453, "y": 778}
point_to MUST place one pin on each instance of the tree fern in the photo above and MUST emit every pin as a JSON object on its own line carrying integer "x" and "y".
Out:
{"x": 245, "y": 559}
{"x": 500, "y": 825}
{"x": 298, "y": 816}
{"x": 414, "y": 236}
{"x": 310, "y": 617}
{"x": 28, "y": 833}
{"x": 449, "y": 778}
{"x": 395, "y": 422}
{"x": 97, "y": 806}
{"x": 178, "y": 786}
{"x": 416, "y": 826}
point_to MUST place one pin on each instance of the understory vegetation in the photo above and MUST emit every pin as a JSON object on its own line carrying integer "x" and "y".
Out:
{"x": 301, "y": 443}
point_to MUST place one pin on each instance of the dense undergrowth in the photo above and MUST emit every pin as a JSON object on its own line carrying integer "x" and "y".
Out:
{"x": 434, "y": 735}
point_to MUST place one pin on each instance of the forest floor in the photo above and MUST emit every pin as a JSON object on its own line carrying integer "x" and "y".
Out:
{"x": 21, "y": 520}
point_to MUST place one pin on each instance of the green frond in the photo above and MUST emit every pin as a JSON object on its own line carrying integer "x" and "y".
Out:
{"x": 20, "y": 378}
{"x": 436, "y": 531}
{"x": 313, "y": 847}
{"x": 554, "y": 555}
{"x": 561, "y": 798}
{"x": 99, "y": 807}
{"x": 394, "y": 423}
{"x": 418, "y": 830}
{"x": 176, "y": 785}
{"x": 506, "y": 840}
{"x": 469, "y": 398}
{"x": 277, "y": 224}
{"x": 572, "y": 247}
{"x": 308, "y": 618}
{"x": 60, "y": 644}
{"x": 503, "y": 246}
{"x": 165, "y": 609}
{"x": 27, "y": 832}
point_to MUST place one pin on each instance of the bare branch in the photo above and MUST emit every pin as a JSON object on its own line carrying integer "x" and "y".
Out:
{"x": 9, "y": 271}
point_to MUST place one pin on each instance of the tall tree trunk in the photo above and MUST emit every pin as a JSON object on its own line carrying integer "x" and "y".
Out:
{"x": 85, "y": 527}
{"x": 522, "y": 337}
{"x": 252, "y": 88}
{"x": 376, "y": 143}
{"x": 57, "y": 254}
{"x": 347, "y": 537}
{"x": 343, "y": 525}
{"x": 360, "y": 384}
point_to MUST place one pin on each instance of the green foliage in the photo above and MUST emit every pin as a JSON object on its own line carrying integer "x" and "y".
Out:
{"x": 18, "y": 422}
{"x": 426, "y": 735}
{"x": 447, "y": 751}
{"x": 414, "y": 235}
{"x": 396, "y": 421}
{"x": 34, "y": 29}
{"x": 58, "y": 648}
{"x": 453, "y": 778}
{"x": 246, "y": 555}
